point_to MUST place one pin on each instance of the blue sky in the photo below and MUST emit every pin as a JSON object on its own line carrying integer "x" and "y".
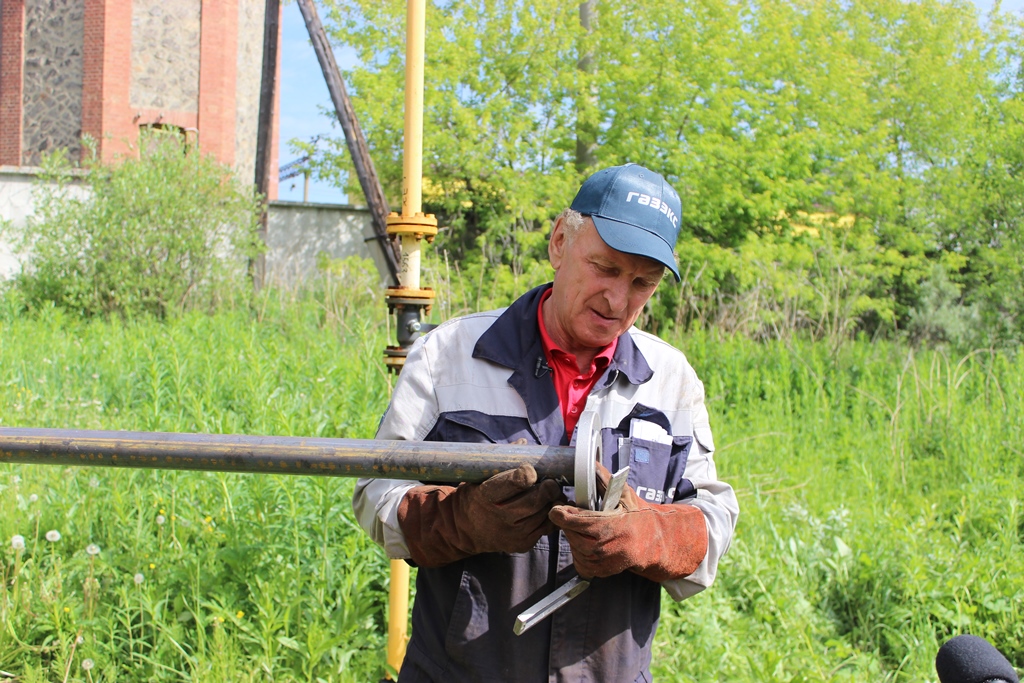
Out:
{"x": 303, "y": 93}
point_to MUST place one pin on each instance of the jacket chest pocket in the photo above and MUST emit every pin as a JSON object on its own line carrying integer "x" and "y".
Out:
{"x": 470, "y": 426}
{"x": 656, "y": 466}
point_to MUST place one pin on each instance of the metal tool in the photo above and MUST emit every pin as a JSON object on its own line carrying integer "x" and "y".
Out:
{"x": 574, "y": 586}
{"x": 588, "y": 453}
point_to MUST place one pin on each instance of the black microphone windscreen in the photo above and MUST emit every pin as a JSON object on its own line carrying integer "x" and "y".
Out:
{"x": 970, "y": 659}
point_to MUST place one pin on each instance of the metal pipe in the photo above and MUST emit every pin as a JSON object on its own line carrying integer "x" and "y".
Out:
{"x": 410, "y": 264}
{"x": 431, "y": 461}
{"x": 398, "y": 614}
{"x": 412, "y": 152}
{"x": 409, "y": 274}
{"x": 412, "y": 160}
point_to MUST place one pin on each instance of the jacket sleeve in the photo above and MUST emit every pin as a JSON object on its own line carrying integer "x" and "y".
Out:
{"x": 715, "y": 498}
{"x": 410, "y": 415}
{"x": 717, "y": 501}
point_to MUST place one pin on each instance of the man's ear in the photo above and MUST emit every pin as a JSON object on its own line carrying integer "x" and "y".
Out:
{"x": 556, "y": 243}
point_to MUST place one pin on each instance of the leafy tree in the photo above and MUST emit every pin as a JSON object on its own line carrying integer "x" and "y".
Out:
{"x": 498, "y": 113}
{"x": 903, "y": 116}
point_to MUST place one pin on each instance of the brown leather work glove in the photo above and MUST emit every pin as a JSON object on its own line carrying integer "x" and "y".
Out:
{"x": 658, "y": 542}
{"x": 507, "y": 513}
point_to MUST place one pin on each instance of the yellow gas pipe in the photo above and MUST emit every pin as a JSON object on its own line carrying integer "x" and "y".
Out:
{"x": 408, "y": 300}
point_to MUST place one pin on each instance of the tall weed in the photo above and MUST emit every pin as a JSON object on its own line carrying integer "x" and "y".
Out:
{"x": 880, "y": 497}
{"x": 879, "y": 488}
{"x": 195, "y": 576}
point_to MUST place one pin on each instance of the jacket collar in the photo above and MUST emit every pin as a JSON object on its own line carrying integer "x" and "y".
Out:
{"x": 514, "y": 336}
{"x": 513, "y": 341}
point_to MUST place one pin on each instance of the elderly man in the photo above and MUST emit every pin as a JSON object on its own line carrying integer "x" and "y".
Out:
{"x": 525, "y": 374}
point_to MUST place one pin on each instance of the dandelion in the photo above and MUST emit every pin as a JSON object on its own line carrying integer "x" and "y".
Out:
{"x": 79, "y": 640}
{"x": 33, "y": 498}
{"x": 92, "y": 549}
{"x": 94, "y": 483}
{"x": 18, "y": 542}
{"x": 139, "y": 578}
{"x": 152, "y": 566}
{"x": 239, "y": 614}
{"x": 87, "y": 664}
{"x": 52, "y": 535}
{"x": 160, "y": 519}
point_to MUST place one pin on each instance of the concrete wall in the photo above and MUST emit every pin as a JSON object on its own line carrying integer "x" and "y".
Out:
{"x": 16, "y": 205}
{"x": 296, "y": 232}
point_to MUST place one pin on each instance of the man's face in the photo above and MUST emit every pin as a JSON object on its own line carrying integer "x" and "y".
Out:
{"x": 598, "y": 291}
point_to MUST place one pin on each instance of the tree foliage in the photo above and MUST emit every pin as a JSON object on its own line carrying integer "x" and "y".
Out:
{"x": 904, "y": 117}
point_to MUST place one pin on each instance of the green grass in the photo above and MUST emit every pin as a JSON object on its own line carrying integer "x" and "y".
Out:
{"x": 242, "y": 577}
{"x": 880, "y": 492}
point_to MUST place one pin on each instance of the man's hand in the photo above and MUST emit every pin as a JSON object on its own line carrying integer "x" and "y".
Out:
{"x": 658, "y": 542}
{"x": 507, "y": 513}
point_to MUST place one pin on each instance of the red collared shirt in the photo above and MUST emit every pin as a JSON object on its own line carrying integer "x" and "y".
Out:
{"x": 572, "y": 386}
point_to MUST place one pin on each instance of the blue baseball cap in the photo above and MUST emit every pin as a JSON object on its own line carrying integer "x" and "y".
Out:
{"x": 635, "y": 210}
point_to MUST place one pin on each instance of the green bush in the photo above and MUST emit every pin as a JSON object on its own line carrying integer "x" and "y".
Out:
{"x": 165, "y": 232}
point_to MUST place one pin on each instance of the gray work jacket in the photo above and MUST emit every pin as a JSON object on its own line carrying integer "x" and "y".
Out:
{"x": 482, "y": 378}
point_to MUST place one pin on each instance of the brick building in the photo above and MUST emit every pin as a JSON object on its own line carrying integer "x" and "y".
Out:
{"x": 109, "y": 68}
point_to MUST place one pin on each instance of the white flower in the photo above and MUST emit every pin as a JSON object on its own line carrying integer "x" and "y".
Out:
{"x": 94, "y": 482}
{"x": 87, "y": 664}
{"x": 33, "y": 498}
{"x": 92, "y": 549}
{"x": 160, "y": 519}
{"x": 52, "y": 535}
{"x": 139, "y": 578}
{"x": 18, "y": 542}
{"x": 79, "y": 640}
